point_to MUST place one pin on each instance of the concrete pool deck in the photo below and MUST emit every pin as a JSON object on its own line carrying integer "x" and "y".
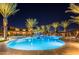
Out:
{"x": 70, "y": 48}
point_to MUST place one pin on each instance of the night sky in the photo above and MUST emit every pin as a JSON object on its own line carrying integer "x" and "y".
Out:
{"x": 44, "y": 13}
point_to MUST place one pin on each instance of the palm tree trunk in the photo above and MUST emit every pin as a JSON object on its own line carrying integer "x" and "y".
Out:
{"x": 55, "y": 31}
{"x": 64, "y": 31}
{"x": 5, "y": 28}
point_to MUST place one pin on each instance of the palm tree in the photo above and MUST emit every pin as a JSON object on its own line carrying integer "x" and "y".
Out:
{"x": 65, "y": 25}
{"x": 7, "y": 9}
{"x": 37, "y": 30}
{"x": 76, "y": 20}
{"x": 74, "y": 9}
{"x": 48, "y": 28}
{"x": 30, "y": 23}
{"x": 42, "y": 27}
{"x": 55, "y": 25}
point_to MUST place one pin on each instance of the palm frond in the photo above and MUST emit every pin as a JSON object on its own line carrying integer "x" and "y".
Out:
{"x": 65, "y": 23}
{"x": 73, "y": 8}
{"x": 31, "y": 22}
{"x": 55, "y": 24}
{"x": 7, "y": 9}
{"x": 75, "y": 19}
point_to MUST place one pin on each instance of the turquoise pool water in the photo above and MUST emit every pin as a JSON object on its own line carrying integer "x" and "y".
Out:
{"x": 37, "y": 42}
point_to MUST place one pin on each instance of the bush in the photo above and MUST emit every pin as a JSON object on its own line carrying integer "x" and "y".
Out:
{"x": 2, "y": 40}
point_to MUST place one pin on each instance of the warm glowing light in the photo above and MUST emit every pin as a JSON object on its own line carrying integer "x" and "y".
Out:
{"x": 23, "y": 29}
{"x": 17, "y": 29}
{"x": 9, "y": 33}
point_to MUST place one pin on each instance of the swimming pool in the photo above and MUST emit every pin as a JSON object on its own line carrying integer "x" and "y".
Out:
{"x": 37, "y": 42}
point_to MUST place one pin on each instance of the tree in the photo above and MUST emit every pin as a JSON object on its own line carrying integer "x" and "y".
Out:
{"x": 74, "y": 9}
{"x": 30, "y": 23}
{"x": 43, "y": 29}
{"x": 65, "y": 25}
{"x": 37, "y": 30}
{"x": 48, "y": 28}
{"x": 55, "y": 25}
{"x": 7, "y": 9}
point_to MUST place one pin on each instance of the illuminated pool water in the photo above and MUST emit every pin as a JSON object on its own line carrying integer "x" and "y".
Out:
{"x": 38, "y": 42}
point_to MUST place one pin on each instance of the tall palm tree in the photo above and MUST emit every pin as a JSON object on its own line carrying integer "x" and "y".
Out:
{"x": 65, "y": 25}
{"x": 43, "y": 28}
{"x": 30, "y": 23}
{"x": 55, "y": 25}
{"x": 7, "y": 9}
{"x": 74, "y": 9}
{"x": 48, "y": 28}
{"x": 76, "y": 20}
{"x": 37, "y": 30}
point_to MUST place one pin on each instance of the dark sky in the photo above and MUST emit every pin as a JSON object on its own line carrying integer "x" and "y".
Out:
{"x": 44, "y": 13}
